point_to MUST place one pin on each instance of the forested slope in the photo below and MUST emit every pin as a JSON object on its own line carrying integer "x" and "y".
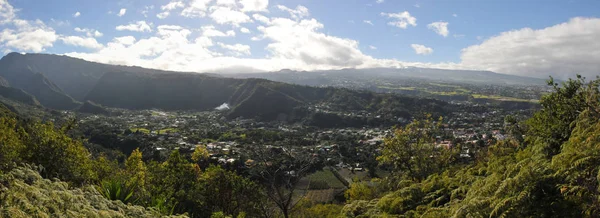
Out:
{"x": 553, "y": 171}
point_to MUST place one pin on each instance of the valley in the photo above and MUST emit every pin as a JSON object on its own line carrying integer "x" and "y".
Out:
{"x": 328, "y": 136}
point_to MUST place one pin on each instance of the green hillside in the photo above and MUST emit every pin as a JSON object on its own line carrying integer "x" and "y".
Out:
{"x": 18, "y": 95}
{"x": 249, "y": 98}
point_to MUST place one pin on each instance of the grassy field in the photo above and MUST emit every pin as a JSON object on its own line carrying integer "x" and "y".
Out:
{"x": 325, "y": 176}
{"x": 142, "y": 130}
{"x": 351, "y": 176}
{"x": 397, "y": 88}
{"x": 444, "y": 85}
{"x": 322, "y": 196}
{"x": 502, "y": 98}
{"x": 167, "y": 130}
{"x": 458, "y": 90}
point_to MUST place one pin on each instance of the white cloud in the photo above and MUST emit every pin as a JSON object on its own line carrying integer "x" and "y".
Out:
{"x": 169, "y": 7}
{"x": 171, "y": 48}
{"x": 140, "y": 26}
{"x": 211, "y": 31}
{"x": 147, "y": 10}
{"x": 124, "y": 40}
{"x": 291, "y": 44}
{"x": 81, "y": 42}
{"x": 196, "y": 8}
{"x": 60, "y": 23}
{"x": 254, "y": 5}
{"x": 401, "y": 20}
{"x": 33, "y": 36}
{"x": 261, "y": 18}
{"x": 89, "y": 32}
{"x": 23, "y": 35}
{"x": 417, "y": 6}
{"x": 172, "y": 6}
{"x": 228, "y": 3}
{"x": 122, "y": 12}
{"x": 379, "y": 1}
{"x": 441, "y": 28}
{"x": 244, "y": 30}
{"x": 562, "y": 50}
{"x": 163, "y": 15}
{"x": 298, "y": 13}
{"x": 77, "y": 14}
{"x": 237, "y": 49}
{"x": 455, "y": 15}
{"x": 368, "y": 22}
{"x": 300, "y": 42}
{"x": 421, "y": 49}
{"x": 225, "y": 15}
{"x": 372, "y": 47}
{"x": 7, "y": 12}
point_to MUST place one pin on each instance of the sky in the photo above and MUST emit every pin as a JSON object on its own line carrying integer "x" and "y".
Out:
{"x": 532, "y": 38}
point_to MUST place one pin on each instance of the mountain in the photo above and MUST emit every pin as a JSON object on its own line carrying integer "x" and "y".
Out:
{"x": 18, "y": 95}
{"x": 250, "y": 98}
{"x": 76, "y": 77}
{"x": 93, "y": 108}
{"x": 62, "y": 82}
{"x": 331, "y": 77}
{"x": 22, "y": 76}
{"x": 4, "y": 82}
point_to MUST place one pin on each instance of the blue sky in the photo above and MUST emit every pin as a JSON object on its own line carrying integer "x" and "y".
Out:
{"x": 355, "y": 33}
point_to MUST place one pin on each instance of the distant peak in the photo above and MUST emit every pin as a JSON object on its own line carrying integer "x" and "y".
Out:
{"x": 12, "y": 55}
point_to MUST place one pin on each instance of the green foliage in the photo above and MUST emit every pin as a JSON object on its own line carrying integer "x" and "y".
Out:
{"x": 553, "y": 172}
{"x": 59, "y": 155}
{"x": 361, "y": 191}
{"x": 412, "y": 151}
{"x": 225, "y": 191}
{"x": 135, "y": 169}
{"x": 173, "y": 180}
{"x": 324, "y": 179}
{"x": 310, "y": 209}
{"x": 116, "y": 190}
{"x": 43, "y": 145}
{"x": 26, "y": 194}
{"x": 552, "y": 125}
{"x": 11, "y": 145}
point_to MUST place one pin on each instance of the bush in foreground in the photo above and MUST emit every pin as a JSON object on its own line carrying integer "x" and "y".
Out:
{"x": 24, "y": 193}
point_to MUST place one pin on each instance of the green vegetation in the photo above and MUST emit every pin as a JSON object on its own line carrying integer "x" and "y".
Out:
{"x": 548, "y": 166}
{"x": 142, "y": 130}
{"x": 324, "y": 179}
{"x": 26, "y": 194}
{"x": 551, "y": 173}
{"x": 167, "y": 130}
{"x": 398, "y": 88}
{"x": 503, "y": 98}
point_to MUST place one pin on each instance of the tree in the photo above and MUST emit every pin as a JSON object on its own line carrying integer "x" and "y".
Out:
{"x": 553, "y": 124}
{"x": 59, "y": 155}
{"x": 173, "y": 181}
{"x": 11, "y": 146}
{"x": 360, "y": 190}
{"x": 135, "y": 168}
{"x": 200, "y": 156}
{"x": 412, "y": 150}
{"x": 225, "y": 191}
{"x": 280, "y": 171}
